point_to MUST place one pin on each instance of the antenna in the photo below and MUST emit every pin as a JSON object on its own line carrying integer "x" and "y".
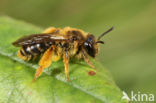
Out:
{"x": 105, "y": 33}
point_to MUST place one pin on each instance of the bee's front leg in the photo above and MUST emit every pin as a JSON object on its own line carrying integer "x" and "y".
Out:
{"x": 86, "y": 59}
{"x": 44, "y": 62}
{"x": 66, "y": 64}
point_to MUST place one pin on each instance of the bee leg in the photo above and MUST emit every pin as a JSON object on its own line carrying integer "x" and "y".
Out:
{"x": 44, "y": 62}
{"x": 66, "y": 60}
{"x": 50, "y": 30}
{"x": 87, "y": 60}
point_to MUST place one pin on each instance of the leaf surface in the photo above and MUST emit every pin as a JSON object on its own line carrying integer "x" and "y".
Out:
{"x": 16, "y": 76}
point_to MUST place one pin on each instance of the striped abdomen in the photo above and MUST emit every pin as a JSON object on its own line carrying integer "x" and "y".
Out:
{"x": 34, "y": 50}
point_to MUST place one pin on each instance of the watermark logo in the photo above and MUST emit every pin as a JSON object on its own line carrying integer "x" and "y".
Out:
{"x": 138, "y": 96}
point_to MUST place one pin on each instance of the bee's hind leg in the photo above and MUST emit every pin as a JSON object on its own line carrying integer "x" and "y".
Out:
{"x": 44, "y": 62}
{"x": 66, "y": 64}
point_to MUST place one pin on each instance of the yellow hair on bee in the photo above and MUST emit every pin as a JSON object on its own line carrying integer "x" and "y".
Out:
{"x": 56, "y": 43}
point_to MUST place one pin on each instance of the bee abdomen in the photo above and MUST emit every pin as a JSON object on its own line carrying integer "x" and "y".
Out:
{"x": 34, "y": 49}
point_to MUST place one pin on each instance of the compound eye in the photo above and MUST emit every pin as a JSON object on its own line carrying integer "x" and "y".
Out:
{"x": 89, "y": 49}
{"x": 87, "y": 45}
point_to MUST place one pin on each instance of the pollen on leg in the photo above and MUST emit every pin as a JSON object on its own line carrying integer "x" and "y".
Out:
{"x": 66, "y": 65}
{"x": 44, "y": 62}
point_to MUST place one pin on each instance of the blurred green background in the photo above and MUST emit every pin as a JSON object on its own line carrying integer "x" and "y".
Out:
{"x": 130, "y": 49}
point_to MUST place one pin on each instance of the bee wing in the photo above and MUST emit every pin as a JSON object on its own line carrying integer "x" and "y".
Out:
{"x": 39, "y": 38}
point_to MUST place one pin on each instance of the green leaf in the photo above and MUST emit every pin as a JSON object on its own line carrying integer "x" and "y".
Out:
{"x": 16, "y": 76}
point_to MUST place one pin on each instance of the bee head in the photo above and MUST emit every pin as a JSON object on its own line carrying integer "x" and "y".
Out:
{"x": 91, "y": 43}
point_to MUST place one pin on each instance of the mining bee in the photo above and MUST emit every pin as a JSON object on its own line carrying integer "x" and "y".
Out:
{"x": 56, "y": 43}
